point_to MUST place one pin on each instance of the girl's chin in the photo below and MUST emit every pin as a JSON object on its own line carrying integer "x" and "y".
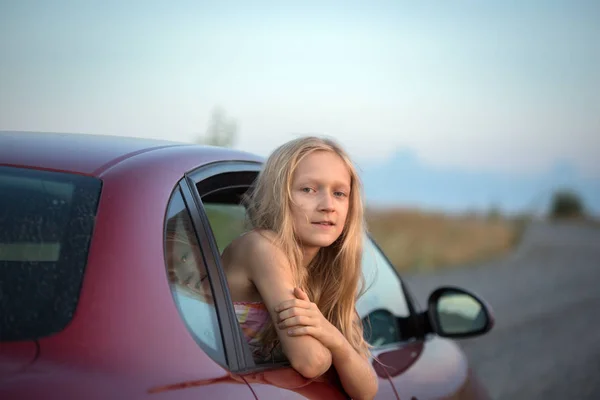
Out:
{"x": 317, "y": 241}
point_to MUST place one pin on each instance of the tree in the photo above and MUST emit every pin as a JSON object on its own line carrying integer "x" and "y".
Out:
{"x": 566, "y": 204}
{"x": 221, "y": 130}
{"x": 494, "y": 213}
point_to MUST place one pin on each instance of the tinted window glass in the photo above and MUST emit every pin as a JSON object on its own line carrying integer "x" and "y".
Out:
{"x": 189, "y": 280}
{"x": 46, "y": 224}
{"x": 384, "y": 301}
{"x": 381, "y": 328}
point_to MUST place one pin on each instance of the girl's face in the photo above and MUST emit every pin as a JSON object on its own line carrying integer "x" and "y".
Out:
{"x": 184, "y": 259}
{"x": 320, "y": 191}
{"x": 187, "y": 266}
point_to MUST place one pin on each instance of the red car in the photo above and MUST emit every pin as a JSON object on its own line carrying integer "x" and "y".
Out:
{"x": 91, "y": 283}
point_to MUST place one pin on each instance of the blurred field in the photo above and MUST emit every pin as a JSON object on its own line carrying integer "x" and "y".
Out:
{"x": 412, "y": 240}
{"x": 415, "y": 240}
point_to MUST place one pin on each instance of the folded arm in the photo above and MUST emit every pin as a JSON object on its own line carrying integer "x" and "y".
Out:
{"x": 302, "y": 318}
{"x": 270, "y": 271}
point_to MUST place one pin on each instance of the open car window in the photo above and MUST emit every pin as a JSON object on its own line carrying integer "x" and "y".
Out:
{"x": 383, "y": 308}
{"x": 227, "y": 220}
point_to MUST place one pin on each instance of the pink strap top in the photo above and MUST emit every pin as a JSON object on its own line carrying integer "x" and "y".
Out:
{"x": 254, "y": 319}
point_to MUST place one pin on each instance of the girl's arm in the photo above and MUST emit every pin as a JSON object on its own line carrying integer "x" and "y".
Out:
{"x": 300, "y": 317}
{"x": 270, "y": 272}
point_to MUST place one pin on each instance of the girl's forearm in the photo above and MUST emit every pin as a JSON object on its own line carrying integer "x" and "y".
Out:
{"x": 310, "y": 361}
{"x": 356, "y": 373}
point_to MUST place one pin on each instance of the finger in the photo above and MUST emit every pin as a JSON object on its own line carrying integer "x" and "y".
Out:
{"x": 284, "y": 305}
{"x": 304, "y": 330}
{"x": 293, "y": 312}
{"x": 301, "y": 294}
{"x": 295, "y": 321}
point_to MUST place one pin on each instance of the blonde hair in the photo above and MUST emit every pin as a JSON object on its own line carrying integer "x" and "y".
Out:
{"x": 333, "y": 279}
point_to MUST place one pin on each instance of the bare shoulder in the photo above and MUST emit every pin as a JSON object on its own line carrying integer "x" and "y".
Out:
{"x": 235, "y": 260}
{"x": 260, "y": 245}
{"x": 258, "y": 238}
{"x": 258, "y": 251}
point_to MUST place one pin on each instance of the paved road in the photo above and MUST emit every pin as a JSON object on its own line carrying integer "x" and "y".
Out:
{"x": 546, "y": 300}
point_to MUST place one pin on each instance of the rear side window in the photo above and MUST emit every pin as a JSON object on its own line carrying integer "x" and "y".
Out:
{"x": 46, "y": 224}
{"x": 189, "y": 280}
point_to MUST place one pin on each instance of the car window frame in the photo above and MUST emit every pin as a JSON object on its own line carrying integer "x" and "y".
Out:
{"x": 241, "y": 357}
{"x": 220, "y": 297}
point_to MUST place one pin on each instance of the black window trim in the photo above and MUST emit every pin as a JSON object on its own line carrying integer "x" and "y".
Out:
{"x": 220, "y": 300}
{"x": 237, "y": 352}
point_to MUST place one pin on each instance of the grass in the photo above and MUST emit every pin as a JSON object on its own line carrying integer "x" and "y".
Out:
{"x": 417, "y": 241}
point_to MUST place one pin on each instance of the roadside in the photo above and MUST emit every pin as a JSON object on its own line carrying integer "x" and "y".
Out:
{"x": 543, "y": 295}
{"x": 419, "y": 241}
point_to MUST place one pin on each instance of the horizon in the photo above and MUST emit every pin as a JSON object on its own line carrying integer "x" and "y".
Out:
{"x": 406, "y": 182}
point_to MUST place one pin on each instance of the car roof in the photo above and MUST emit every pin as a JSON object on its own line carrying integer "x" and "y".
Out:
{"x": 89, "y": 154}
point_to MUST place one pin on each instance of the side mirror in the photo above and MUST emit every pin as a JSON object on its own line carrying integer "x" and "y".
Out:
{"x": 456, "y": 313}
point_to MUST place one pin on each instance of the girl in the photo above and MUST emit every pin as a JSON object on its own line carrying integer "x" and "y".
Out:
{"x": 295, "y": 277}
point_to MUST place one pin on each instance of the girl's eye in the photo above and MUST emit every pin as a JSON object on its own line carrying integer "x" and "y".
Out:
{"x": 184, "y": 258}
{"x": 340, "y": 194}
{"x": 306, "y": 190}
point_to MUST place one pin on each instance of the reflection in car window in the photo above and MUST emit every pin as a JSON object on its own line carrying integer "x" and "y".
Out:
{"x": 381, "y": 328}
{"x": 384, "y": 300}
{"x": 189, "y": 280}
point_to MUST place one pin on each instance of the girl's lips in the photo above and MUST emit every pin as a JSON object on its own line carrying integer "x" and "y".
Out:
{"x": 323, "y": 225}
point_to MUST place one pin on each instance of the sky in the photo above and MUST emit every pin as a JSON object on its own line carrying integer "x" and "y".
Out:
{"x": 500, "y": 86}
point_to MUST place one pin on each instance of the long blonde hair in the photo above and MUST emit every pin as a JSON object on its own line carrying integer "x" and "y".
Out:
{"x": 333, "y": 279}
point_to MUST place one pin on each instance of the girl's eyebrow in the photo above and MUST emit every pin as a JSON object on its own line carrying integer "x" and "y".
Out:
{"x": 336, "y": 185}
{"x": 311, "y": 179}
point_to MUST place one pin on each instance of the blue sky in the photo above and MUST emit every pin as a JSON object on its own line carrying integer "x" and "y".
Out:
{"x": 504, "y": 86}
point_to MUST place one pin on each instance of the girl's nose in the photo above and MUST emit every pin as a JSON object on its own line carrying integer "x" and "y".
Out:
{"x": 326, "y": 204}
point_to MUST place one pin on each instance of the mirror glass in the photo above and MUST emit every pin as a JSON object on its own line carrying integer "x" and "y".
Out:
{"x": 460, "y": 313}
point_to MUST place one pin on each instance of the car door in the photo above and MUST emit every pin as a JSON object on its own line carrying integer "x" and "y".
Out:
{"x": 419, "y": 367}
{"x": 219, "y": 189}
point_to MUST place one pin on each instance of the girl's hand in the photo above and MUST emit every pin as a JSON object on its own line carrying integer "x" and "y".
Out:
{"x": 300, "y": 317}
